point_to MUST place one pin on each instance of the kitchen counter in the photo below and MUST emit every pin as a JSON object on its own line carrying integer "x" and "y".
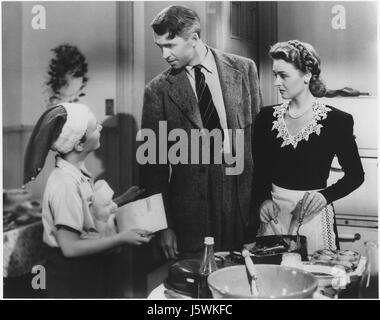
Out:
{"x": 161, "y": 293}
{"x": 350, "y": 292}
{"x": 23, "y": 248}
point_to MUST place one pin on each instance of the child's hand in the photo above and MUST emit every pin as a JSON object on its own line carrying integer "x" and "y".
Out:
{"x": 136, "y": 236}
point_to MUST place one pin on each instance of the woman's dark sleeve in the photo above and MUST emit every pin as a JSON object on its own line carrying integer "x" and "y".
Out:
{"x": 349, "y": 159}
{"x": 262, "y": 159}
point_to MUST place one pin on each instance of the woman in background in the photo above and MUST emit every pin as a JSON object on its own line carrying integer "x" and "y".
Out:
{"x": 295, "y": 143}
{"x": 67, "y": 75}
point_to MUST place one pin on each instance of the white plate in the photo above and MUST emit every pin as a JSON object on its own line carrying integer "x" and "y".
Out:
{"x": 222, "y": 253}
{"x": 329, "y": 276}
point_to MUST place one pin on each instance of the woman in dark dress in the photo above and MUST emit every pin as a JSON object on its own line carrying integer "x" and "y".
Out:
{"x": 294, "y": 145}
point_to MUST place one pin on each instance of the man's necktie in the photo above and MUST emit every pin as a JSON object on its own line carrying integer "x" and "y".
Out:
{"x": 207, "y": 108}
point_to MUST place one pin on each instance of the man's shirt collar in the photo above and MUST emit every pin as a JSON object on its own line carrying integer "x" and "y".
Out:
{"x": 208, "y": 63}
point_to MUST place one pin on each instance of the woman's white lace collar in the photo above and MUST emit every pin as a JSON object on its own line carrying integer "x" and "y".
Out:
{"x": 320, "y": 112}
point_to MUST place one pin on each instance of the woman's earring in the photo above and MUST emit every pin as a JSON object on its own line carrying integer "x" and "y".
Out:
{"x": 307, "y": 79}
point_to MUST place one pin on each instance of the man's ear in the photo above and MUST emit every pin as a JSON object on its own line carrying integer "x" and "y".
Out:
{"x": 78, "y": 146}
{"x": 194, "y": 36}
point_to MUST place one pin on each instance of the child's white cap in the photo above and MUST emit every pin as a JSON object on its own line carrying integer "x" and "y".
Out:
{"x": 74, "y": 128}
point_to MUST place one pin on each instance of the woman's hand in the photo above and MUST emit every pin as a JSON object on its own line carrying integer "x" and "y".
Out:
{"x": 297, "y": 217}
{"x": 269, "y": 211}
{"x": 130, "y": 195}
{"x": 312, "y": 203}
{"x": 135, "y": 236}
{"x": 168, "y": 243}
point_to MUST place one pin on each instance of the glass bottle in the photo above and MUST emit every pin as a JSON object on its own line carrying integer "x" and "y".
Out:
{"x": 369, "y": 283}
{"x": 208, "y": 265}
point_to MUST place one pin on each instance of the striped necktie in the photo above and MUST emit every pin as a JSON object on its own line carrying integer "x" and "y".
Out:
{"x": 207, "y": 108}
{"x": 209, "y": 115}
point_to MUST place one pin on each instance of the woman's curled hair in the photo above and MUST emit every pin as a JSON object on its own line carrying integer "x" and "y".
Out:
{"x": 68, "y": 60}
{"x": 303, "y": 57}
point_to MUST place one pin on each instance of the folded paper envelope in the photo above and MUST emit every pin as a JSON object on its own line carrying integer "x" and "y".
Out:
{"x": 147, "y": 214}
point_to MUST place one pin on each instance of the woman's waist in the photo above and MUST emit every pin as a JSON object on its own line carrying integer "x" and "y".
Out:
{"x": 287, "y": 192}
{"x": 300, "y": 181}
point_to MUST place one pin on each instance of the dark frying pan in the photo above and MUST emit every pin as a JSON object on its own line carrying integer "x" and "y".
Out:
{"x": 274, "y": 257}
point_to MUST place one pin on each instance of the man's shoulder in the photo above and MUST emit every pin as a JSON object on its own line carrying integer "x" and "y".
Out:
{"x": 159, "y": 79}
{"x": 268, "y": 111}
{"x": 233, "y": 59}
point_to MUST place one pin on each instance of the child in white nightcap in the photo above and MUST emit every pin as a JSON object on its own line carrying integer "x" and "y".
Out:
{"x": 75, "y": 212}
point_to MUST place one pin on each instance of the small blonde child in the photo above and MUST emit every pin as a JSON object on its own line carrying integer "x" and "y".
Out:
{"x": 103, "y": 208}
{"x": 77, "y": 224}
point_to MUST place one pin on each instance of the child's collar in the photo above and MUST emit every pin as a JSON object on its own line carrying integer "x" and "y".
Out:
{"x": 78, "y": 173}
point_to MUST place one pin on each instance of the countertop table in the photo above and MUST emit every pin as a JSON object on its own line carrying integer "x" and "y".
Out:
{"x": 161, "y": 293}
{"x": 23, "y": 248}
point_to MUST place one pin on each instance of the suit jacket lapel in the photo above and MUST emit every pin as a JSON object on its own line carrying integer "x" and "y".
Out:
{"x": 182, "y": 94}
{"x": 231, "y": 85}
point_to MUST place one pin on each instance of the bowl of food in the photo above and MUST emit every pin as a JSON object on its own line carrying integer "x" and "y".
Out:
{"x": 346, "y": 259}
{"x": 273, "y": 282}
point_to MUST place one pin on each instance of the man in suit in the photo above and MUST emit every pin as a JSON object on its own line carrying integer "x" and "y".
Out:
{"x": 203, "y": 89}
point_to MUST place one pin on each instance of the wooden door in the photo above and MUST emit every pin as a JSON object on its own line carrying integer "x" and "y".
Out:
{"x": 245, "y": 28}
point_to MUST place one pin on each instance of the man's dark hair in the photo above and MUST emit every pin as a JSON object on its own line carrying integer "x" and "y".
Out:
{"x": 177, "y": 21}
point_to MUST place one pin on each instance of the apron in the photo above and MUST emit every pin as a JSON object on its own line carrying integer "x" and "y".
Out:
{"x": 319, "y": 231}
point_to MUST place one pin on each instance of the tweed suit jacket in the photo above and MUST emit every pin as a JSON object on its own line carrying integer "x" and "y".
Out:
{"x": 169, "y": 97}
